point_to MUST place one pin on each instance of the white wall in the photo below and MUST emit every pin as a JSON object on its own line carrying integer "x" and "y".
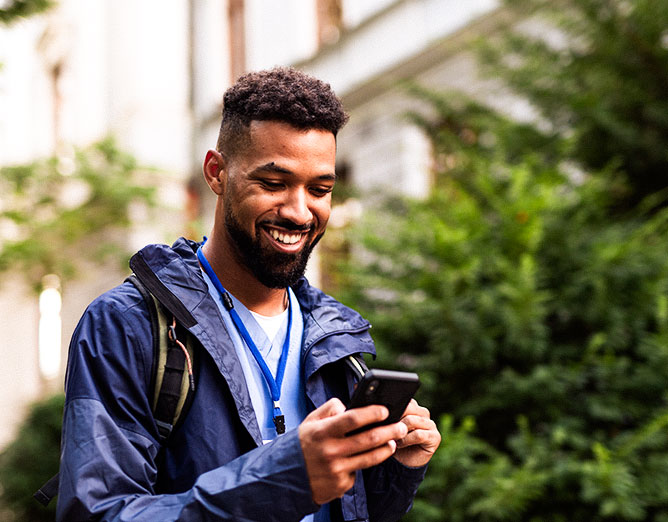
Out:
{"x": 279, "y": 33}
{"x": 386, "y": 41}
{"x": 356, "y": 12}
{"x": 384, "y": 152}
{"x": 21, "y": 383}
{"x": 126, "y": 70}
{"x": 392, "y": 38}
{"x": 26, "y": 123}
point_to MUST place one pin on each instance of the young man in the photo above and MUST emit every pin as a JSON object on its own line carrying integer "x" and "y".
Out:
{"x": 265, "y": 435}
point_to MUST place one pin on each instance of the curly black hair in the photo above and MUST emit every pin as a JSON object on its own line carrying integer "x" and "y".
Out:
{"x": 281, "y": 94}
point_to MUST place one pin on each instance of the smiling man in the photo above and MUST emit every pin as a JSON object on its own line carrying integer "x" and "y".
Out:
{"x": 263, "y": 435}
{"x": 273, "y": 206}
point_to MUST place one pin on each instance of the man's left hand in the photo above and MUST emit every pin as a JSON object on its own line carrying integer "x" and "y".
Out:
{"x": 422, "y": 440}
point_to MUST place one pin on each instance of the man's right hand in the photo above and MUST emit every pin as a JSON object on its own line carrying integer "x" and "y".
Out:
{"x": 332, "y": 458}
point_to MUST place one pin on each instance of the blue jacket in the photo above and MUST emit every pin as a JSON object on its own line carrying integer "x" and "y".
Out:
{"x": 214, "y": 466}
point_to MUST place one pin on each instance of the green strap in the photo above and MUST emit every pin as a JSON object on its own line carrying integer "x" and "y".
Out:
{"x": 166, "y": 409}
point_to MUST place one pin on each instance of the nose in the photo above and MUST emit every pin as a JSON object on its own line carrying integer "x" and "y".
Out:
{"x": 295, "y": 207}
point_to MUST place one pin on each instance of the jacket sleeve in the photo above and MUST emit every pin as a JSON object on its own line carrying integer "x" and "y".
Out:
{"x": 390, "y": 489}
{"x": 109, "y": 448}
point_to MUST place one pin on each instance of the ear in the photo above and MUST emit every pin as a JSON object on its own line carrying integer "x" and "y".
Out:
{"x": 215, "y": 171}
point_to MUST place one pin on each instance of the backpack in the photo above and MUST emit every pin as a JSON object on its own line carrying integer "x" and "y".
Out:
{"x": 172, "y": 379}
{"x": 173, "y": 372}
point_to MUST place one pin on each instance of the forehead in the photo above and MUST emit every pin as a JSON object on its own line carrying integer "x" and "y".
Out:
{"x": 279, "y": 139}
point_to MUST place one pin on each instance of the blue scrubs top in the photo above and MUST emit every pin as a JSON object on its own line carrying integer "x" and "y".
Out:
{"x": 293, "y": 396}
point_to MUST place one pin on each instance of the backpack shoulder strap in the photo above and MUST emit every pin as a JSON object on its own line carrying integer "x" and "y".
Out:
{"x": 357, "y": 365}
{"x": 172, "y": 375}
{"x": 45, "y": 494}
{"x": 174, "y": 362}
{"x": 353, "y": 368}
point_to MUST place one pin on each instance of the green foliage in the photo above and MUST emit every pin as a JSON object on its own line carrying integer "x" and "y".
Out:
{"x": 15, "y": 9}
{"x": 530, "y": 291}
{"x": 601, "y": 80}
{"x": 60, "y": 219}
{"x": 30, "y": 460}
{"x": 538, "y": 325}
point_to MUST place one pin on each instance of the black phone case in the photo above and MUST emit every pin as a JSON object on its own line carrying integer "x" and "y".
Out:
{"x": 392, "y": 389}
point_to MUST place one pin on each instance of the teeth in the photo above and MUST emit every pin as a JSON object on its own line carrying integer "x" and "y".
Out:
{"x": 288, "y": 239}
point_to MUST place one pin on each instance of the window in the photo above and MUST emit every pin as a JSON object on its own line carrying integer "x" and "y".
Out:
{"x": 50, "y": 328}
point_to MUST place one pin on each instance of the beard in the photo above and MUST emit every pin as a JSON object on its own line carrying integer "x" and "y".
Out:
{"x": 273, "y": 269}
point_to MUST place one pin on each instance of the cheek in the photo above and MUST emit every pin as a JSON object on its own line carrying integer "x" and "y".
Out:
{"x": 322, "y": 213}
{"x": 248, "y": 208}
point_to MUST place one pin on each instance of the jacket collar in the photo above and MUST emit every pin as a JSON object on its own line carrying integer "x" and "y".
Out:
{"x": 177, "y": 268}
{"x": 174, "y": 272}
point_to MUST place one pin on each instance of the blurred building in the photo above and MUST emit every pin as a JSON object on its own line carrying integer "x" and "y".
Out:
{"x": 152, "y": 74}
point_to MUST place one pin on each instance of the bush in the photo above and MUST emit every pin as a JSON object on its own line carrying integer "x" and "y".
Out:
{"x": 83, "y": 208}
{"x": 30, "y": 460}
{"x": 599, "y": 81}
{"x": 530, "y": 291}
{"x": 538, "y": 325}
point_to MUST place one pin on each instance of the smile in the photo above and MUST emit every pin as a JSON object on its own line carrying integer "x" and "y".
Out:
{"x": 285, "y": 237}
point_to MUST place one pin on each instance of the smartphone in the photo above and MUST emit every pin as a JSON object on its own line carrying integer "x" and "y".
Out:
{"x": 392, "y": 389}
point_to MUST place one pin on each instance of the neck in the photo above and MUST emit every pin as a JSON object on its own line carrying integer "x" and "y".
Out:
{"x": 239, "y": 281}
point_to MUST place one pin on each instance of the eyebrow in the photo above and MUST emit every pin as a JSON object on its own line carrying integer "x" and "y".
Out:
{"x": 272, "y": 167}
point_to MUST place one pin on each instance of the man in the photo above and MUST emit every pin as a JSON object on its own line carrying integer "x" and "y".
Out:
{"x": 271, "y": 351}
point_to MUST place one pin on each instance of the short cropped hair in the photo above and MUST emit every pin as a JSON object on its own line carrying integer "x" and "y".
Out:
{"x": 281, "y": 94}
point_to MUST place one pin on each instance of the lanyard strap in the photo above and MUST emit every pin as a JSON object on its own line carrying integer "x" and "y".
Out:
{"x": 274, "y": 384}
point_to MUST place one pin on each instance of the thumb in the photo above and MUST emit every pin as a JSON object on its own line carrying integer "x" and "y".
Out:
{"x": 329, "y": 409}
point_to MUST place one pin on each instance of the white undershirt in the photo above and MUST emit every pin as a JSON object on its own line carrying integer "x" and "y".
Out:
{"x": 272, "y": 324}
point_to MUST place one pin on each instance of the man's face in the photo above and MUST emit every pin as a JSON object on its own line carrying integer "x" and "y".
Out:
{"x": 278, "y": 199}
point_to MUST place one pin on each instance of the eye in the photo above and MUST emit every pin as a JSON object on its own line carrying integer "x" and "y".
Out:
{"x": 321, "y": 191}
{"x": 272, "y": 185}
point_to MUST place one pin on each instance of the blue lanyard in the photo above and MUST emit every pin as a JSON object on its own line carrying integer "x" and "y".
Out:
{"x": 274, "y": 384}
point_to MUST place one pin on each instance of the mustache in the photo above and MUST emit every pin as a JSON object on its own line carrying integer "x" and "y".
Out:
{"x": 288, "y": 225}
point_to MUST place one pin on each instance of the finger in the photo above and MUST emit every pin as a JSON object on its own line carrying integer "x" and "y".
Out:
{"x": 331, "y": 408}
{"x": 371, "y": 439}
{"x": 428, "y": 438}
{"x": 414, "y": 422}
{"x": 345, "y": 447}
{"x": 410, "y": 409}
{"x": 372, "y": 457}
{"x": 414, "y": 408}
{"x": 357, "y": 418}
{"x": 417, "y": 436}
